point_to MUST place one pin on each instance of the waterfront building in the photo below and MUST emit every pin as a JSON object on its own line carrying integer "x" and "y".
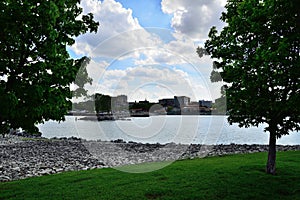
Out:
{"x": 181, "y": 101}
{"x": 144, "y": 102}
{"x": 166, "y": 102}
{"x": 207, "y": 104}
{"x": 119, "y": 102}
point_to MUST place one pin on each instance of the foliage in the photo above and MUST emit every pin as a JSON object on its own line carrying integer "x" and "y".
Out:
{"x": 257, "y": 53}
{"x": 220, "y": 105}
{"x": 227, "y": 177}
{"x": 85, "y": 106}
{"x": 102, "y": 103}
{"x": 82, "y": 78}
{"x": 144, "y": 106}
{"x": 35, "y": 68}
{"x": 169, "y": 108}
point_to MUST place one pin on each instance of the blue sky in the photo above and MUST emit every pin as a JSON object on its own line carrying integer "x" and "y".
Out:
{"x": 148, "y": 12}
{"x": 147, "y": 49}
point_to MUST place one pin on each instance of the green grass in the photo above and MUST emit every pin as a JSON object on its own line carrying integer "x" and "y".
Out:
{"x": 228, "y": 177}
{"x": 35, "y": 139}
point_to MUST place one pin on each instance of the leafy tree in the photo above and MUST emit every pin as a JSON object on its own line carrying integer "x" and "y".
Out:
{"x": 88, "y": 105}
{"x": 35, "y": 68}
{"x": 220, "y": 107}
{"x": 102, "y": 103}
{"x": 82, "y": 78}
{"x": 144, "y": 106}
{"x": 257, "y": 54}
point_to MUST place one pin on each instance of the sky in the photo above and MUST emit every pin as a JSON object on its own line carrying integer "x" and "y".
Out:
{"x": 147, "y": 49}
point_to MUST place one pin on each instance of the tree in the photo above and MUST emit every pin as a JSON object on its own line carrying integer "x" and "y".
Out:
{"x": 102, "y": 103}
{"x": 257, "y": 54}
{"x": 82, "y": 78}
{"x": 35, "y": 68}
{"x": 88, "y": 105}
{"x": 220, "y": 107}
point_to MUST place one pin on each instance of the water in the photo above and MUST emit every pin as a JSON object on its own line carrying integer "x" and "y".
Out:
{"x": 164, "y": 129}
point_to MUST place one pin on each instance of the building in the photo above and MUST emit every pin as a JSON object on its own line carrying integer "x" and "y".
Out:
{"x": 181, "y": 101}
{"x": 119, "y": 102}
{"x": 207, "y": 104}
{"x": 144, "y": 102}
{"x": 166, "y": 102}
{"x": 194, "y": 103}
{"x": 192, "y": 109}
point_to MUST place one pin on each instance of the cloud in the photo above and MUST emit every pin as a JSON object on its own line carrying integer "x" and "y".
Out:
{"x": 194, "y": 18}
{"x": 120, "y": 36}
{"x": 150, "y": 82}
{"x": 119, "y": 32}
{"x": 164, "y": 62}
{"x": 180, "y": 50}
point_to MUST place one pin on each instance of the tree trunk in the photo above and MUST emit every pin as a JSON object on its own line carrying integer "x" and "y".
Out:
{"x": 271, "y": 164}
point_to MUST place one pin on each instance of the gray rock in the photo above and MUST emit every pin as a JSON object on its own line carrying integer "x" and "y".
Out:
{"x": 41, "y": 157}
{"x": 4, "y": 178}
{"x": 16, "y": 169}
{"x": 46, "y": 172}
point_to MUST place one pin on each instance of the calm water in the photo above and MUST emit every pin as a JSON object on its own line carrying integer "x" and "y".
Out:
{"x": 164, "y": 129}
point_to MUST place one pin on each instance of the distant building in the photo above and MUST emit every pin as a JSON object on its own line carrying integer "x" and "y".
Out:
{"x": 119, "y": 102}
{"x": 181, "y": 101}
{"x": 207, "y": 104}
{"x": 192, "y": 109}
{"x": 144, "y": 102}
{"x": 120, "y": 99}
{"x": 166, "y": 102}
{"x": 194, "y": 103}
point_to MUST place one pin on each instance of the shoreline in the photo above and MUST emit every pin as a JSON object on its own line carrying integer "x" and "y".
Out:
{"x": 22, "y": 157}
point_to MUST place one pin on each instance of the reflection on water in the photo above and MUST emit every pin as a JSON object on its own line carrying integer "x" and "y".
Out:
{"x": 164, "y": 129}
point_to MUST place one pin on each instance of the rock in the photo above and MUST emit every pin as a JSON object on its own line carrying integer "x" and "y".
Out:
{"x": 58, "y": 169}
{"x": 42, "y": 157}
{"x": 46, "y": 172}
{"x": 4, "y": 178}
{"x": 16, "y": 169}
{"x": 43, "y": 166}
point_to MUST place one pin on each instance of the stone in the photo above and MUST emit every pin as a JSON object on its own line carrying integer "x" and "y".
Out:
{"x": 16, "y": 169}
{"x": 41, "y": 157}
{"x": 4, "y": 178}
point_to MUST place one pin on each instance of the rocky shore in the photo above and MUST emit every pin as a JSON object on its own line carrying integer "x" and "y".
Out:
{"x": 26, "y": 157}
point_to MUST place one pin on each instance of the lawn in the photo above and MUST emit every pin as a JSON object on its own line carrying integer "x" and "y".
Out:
{"x": 227, "y": 177}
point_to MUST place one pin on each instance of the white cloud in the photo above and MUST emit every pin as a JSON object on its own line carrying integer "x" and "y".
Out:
{"x": 150, "y": 82}
{"x": 120, "y": 36}
{"x": 112, "y": 16}
{"x": 118, "y": 33}
{"x": 194, "y": 18}
{"x": 180, "y": 50}
{"x": 156, "y": 73}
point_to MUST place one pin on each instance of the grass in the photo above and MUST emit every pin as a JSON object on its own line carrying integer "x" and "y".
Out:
{"x": 227, "y": 177}
{"x": 35, "y": 139}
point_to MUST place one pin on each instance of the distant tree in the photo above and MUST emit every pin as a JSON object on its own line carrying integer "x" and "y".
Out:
{"x": 144, "y": 106}
{"x": 35, "y": 68}
{"x": 169, "y": 108}
{"x": 88, "y": 105}
{"x": 257, "y": 53}
{"x": 102, "y": 103}
{"x": 220, "y": 105}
